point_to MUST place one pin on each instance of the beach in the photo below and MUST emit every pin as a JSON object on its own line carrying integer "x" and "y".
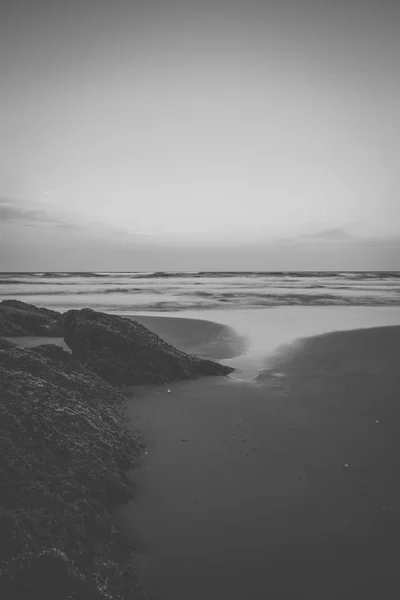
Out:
{"x": 194, "y": 336}
{"x": 277, "y": 480}
{"x": 281, "y": 485}
{"x": 200, "y": 300}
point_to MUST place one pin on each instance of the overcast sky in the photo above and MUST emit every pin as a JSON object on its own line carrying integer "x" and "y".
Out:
{"x": 199, "y": 135}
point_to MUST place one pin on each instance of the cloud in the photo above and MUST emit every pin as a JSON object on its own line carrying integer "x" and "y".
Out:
{"x": 18, "y": 212}
{"x": 43, "y": 219}
{"x": 141, "y": 233}
{"x": 333, "y": 234}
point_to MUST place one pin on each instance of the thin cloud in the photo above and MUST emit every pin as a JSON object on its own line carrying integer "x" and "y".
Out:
{"x": 334, "y": 234}
{"x": 17, "y": 212}
{"x": 20, "y": 212}
{"x": 142, "y": 233}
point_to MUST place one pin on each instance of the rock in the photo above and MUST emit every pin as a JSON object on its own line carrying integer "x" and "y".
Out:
{"x": 48, "y": 429}
{"x": 124, "y": 352}
{"x": 52, "y": 364}
{"x": 62, "y": 462}
{"x": 65, "y": 446}
{"x": 10, "y": 535}
{"x": 31, "y": 308}
{"x": 18, "y": 318}
{"x": 5, "y": 344}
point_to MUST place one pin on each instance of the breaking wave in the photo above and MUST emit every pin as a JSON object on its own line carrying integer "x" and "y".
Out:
{"x": 172, "y": 290}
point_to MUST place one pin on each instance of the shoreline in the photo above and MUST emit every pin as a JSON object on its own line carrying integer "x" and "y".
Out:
{"x": 251, "y": 338}
{"x": 201, "y": 337}
{"x": 63, "y": 421}
{"x": 282, "y": 486}
{"x": 246, "y": 478}
{"x": 194, "y": 336}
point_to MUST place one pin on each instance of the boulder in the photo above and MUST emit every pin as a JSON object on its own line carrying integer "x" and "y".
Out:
{"x": 124, "y": 352}
{"x": 18, "y": 318}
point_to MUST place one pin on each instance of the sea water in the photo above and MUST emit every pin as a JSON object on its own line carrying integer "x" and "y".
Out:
{"x": 200, "y": 291}
{"x": 270, "y": 310}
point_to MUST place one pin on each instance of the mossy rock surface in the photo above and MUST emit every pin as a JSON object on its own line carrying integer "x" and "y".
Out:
{"x": 19, "y": 318}
{"x": 64, "y": 445}
{"x": 125, "y": 352}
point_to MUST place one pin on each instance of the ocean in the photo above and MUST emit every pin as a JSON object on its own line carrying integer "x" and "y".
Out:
{"x": 198, "y": 291}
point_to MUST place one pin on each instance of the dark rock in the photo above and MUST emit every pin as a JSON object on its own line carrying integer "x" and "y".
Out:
{"x": 52, "y": 364}
{"x": 64, "y": 447}
{"x": 31, "y": 308}
{"x": 18, "y": 318}
{"x": 124, "y": 352}
{"x": 10, "y": 535}
{"x": 60, "y": 470}
{"x": 5, "y": 344}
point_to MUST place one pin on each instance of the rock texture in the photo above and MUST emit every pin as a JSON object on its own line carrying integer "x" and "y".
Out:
{"x": 5, "y": 344}
{"x": 52, "y": 364}
{"x": 19, "y": 318}
{"x": 64, "y": 446}
{"x": 124, "y": 352}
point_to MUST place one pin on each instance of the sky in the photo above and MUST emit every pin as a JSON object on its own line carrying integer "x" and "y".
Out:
{"x": 151, "y": 135}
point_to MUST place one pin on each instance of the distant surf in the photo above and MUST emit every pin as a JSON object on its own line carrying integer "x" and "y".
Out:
{"x": 201, "y": 290}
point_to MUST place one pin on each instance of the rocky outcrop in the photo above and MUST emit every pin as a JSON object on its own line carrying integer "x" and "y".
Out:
{"x": 62, "y": 459}
{"x": 19, "y": 318}
{"x": 65, "y": 446}
{"x": 5, "y": 344}
{"x": 52, "y": 364}
{"x": 124, "y": 352}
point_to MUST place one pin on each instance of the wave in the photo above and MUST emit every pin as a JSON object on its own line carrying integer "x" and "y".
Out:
{"x": 198, "y": 301}
{"x": 225, "y": 274}
{"x": 175, "y": 290}
{"x": 35, "y": 282}
{"x": 294, "y": 274}
{"x": 270, "y": 302}
{"x": 87, "y": 292}
{"x": 201, "y": 274}
{"x": 55, "y": 275}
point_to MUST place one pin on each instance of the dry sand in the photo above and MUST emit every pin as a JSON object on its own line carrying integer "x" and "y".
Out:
{"x": 284, "y": 487}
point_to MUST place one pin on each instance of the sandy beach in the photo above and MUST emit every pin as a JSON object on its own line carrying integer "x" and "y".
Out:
{"x": 279, "y": 480}
{"x": 283, "y": 486}
{"x": 194, "y": 336}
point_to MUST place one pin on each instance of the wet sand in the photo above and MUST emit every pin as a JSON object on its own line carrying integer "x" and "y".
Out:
{"x": 194, "y": 336}
{"x": 282, "y": 487}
